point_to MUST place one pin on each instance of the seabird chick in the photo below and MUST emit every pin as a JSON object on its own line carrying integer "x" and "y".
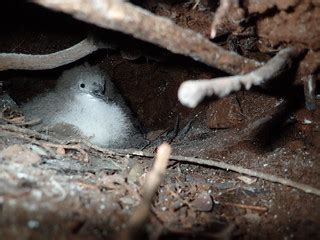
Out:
{"x": 77, "y": 107}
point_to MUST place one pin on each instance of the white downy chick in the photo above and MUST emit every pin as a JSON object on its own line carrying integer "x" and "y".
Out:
{"x": 78, "y": 101}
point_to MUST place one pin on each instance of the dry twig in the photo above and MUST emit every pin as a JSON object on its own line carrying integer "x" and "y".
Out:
{"x": 127, "y": 18}
{"x": 150, "y": 188}
{"x": 238, "y": 169}
{"x": 221, "y": 12}
{"x": 89, "y": 145}
{"x": 228, "y": 18}
{"x": 250, "y": 207}
{"x": 12, "y": 117}
{"x": 191, "y": 160}
{"x": 310, "y": 91}
{"x": 20, "y": 61}
{"x": 30, "y": 133}
{"x": 192, "y": 92}
{"x": 76, "y": 147}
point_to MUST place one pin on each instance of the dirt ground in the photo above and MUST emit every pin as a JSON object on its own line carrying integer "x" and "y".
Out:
{"x": 49, "y": 191}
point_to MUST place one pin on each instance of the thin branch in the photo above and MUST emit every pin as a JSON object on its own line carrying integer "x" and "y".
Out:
{"x": 20, "y": 61}
{"x": 150, "y": 188}
{"x": 221, "y": 12}
{"x": 234, "y": 168}
{"x": 192, "y": 92}
{"x": 85, "y": 156}
{"x": 127, "y": 18}
{"x": 30, "y": 133}
{"x": 190, "y": 160}
{"x": 309, "y": 82}
{"x": 34, "y": 134}
{"x": 251, "y": 207}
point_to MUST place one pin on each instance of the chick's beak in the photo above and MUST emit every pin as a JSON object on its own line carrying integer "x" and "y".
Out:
{"x": 98, "y": 91}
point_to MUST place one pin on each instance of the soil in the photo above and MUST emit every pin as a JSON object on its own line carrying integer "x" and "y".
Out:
{"x": 49, "y": 191}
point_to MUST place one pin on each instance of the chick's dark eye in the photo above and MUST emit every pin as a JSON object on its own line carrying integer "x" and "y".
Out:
{"x": 82, "y": 85}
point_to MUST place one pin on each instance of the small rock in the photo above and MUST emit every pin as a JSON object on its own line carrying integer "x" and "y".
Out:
{"x": 20, "y": 154}
{"x": 253, "y": 218}
{"x": 203, "y": 202}
{"x": 135, "y": 173}
{"x": 37, "y": 150}
{"x": 32, "y": 224}
{"x": 225, "y": 185}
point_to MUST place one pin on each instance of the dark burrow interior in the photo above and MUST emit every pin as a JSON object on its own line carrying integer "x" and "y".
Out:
{"x": 231, "y": 129}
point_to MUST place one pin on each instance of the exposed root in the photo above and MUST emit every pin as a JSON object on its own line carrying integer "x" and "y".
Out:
{"x": 28, "y": 134}
{"x": 190, "y": 160}
{"x": 20, "y": 61}
{"x": 192, "y": 92}
{"x": 228, "y": 18}
{"x": 221, "y": 12}
{"x": 150, "y": 188}
{"x": 238, "y": 169}
{"x": 130, "y": 19}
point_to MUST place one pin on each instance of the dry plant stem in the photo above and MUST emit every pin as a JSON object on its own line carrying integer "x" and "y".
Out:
{"x": 196, "y": 4}
{"x": 30, "y": 133}
{"x": 309, "y": 82}
{"x": 221, "y": 12}
{"x": 127, "y": 18}
{"x": 251, "y": 207}
{"x": 73, "y": 147}
{"x": 34, "y": 134}
{"x": 28, "y": 123}
{"x": 238, "y": 169}
{"x": 176, "y": 195}
{"x": 19, "y": 61}
{"x": 150, "y": 188}
{"x": 89, "y": 145}
{"x": 192, "y": 92}
{"x": 191, "y": 160}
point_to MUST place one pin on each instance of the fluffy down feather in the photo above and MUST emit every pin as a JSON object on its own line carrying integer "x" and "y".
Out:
{"x": 76, "y": 101}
